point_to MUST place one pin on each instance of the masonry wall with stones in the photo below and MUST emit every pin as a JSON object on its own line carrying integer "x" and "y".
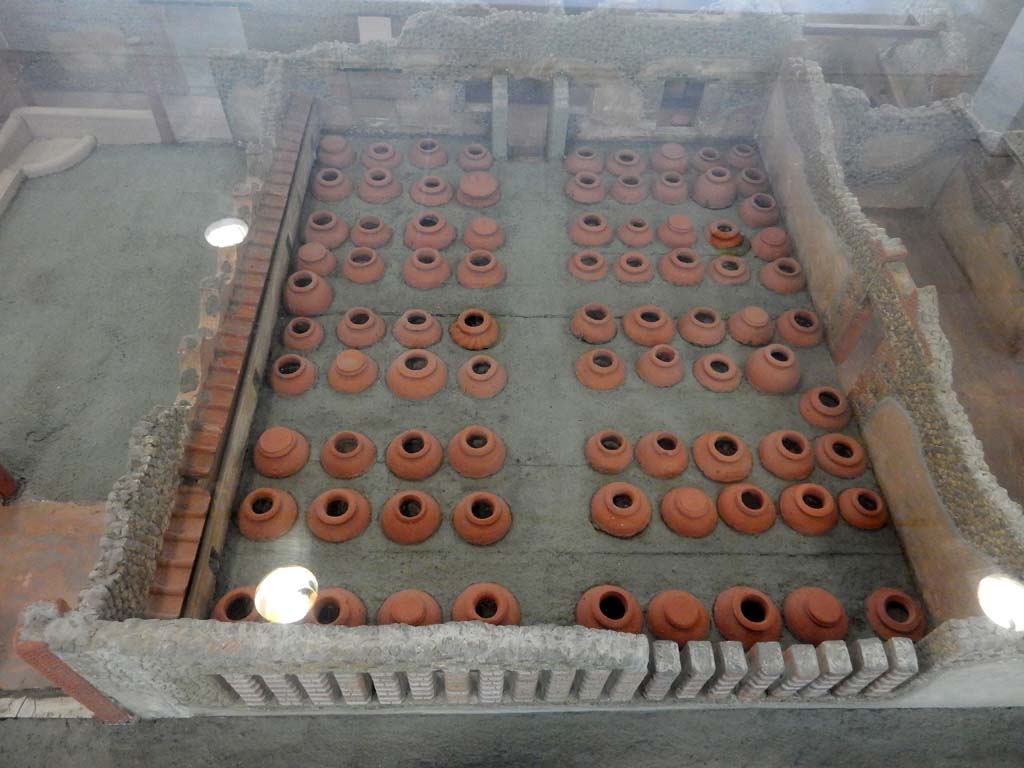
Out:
{"x": 138, "y": 510}
{"x": 892, "y": 357}
{"x": 898, "y": 157}
{"x": 435, "y": 77}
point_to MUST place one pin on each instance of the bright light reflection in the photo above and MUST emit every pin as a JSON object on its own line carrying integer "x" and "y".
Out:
{"x": 1002, "y": 600}
{"x": 286, "y": 594}
{"x": 224, "y": 233}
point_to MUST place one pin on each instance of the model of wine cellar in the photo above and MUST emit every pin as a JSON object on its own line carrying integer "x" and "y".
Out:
{"x": 578, "y": 374}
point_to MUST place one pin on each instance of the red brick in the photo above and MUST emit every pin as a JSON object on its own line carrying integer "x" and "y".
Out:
{"x": 47, "y": 663}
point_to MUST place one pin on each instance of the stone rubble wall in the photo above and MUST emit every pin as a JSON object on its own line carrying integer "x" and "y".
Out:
{"x": 889, "y": 144}
{"x": 617, "y": 65}
{"x": 884, "y": 332}
{"x": 138, "y": 509}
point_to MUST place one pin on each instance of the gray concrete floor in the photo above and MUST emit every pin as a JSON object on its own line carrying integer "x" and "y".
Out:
{"x": 552, "y": 553}
{"x": 765, "y": 737}
{"x": 100, "y": 270}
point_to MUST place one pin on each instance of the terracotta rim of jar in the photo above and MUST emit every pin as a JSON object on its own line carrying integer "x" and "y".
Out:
{"x": 863, "y": 508}
{"x": 382, "y": 154}
{"x": 620, "y": 509}
{"x": 476, "y": 451}
{"x": 482, "y": 376}
{"x": 717, "y": 372}
{"x": 338, "y": 514}
{"x": 266, "y": 513}
{"x": 648, "y": 325}
{"x": 722, "y": 456}
{"x": 594, "y": 323}
{"x": 417, "y": 374}
{"x": 237, "y": 605}
{"x": 787, "y": 454}
{"x": 840, "y": 455}
{"x": 894, "y": 613}
{"x": 302, "y": 334}
{"x": 588, "y": 265}
{"x": 480, "y": 269}
{"x": 347, "y": 454}
{"x": 746, "y": 508}
{"x": 662, "y": 448}
{"x": 336, "y": 607}
{"x": 482, "y": 518}
{"x": 633, "y": 267}
{"x": 600, "y": 369}
{"x": 474, "y": 329}
{"x": 608, "y": 451}
{"x": 825, "y": 407}
{"x": 414, "y": 448}
{"x": 702, "y": 327}
{"x": 610, "y": 607}
{"x": 487, "y": 602}
{"x": 292, "y": 375}
{"x": 729, "y": 270}
{"x": 661, "y": 365}
{"x": 811, "y": 518}
{"x": 410, "y": 517}
{"x": 360, "y": 327}
{"x": 417, "y": 329}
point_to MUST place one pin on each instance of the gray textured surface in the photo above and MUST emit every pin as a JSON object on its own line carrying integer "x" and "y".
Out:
{"x": 552, "y": 553}
{"x": 773, "y": 738}
{"x": 101, "y": 269}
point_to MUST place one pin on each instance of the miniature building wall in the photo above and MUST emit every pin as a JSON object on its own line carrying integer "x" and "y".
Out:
{"x": 955, "y": 522}
{"x": 882, "y": 331}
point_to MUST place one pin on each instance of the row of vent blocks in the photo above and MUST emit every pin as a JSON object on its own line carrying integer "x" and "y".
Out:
{"x": 213, "y": 408}
{"x": 701, "y": 669}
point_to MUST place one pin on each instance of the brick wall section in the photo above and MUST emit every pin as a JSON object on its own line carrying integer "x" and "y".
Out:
{"x": 219, "y": 382}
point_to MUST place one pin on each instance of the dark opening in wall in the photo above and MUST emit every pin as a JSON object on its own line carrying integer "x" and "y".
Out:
{"x": 478, "y": 91}
{"x": 680, "y": 101}
{"x": 529, "y": 90}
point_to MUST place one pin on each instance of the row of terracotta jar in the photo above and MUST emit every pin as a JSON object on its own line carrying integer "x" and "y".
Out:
{"x": 649, "y": 325}
{"x": 677, "y": 231}
{"x": 361, "y": 327}
{"x": 415, "y": 454}
{"x": 425, "y": 153}
{"x": 476, "y": 189}
{"x": 684, "y": 267}
{"x": 424, "y": 268}
{"x": 624, "y": 511}
{"x": 592, "y": 230}
{"x": 427, "y": 229}
{"x": 353, "y": 371}
{"x": 342, "y": 514}
{"x": 716, "y": 189}
{"x": 414, "y": 375}
{"x": 663, "y": 158}
{"x": 370, "y": 231}
{"x": 741, "y": 613}
{"x": 771, "y": 370}
{"x": 725, "y": 457}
